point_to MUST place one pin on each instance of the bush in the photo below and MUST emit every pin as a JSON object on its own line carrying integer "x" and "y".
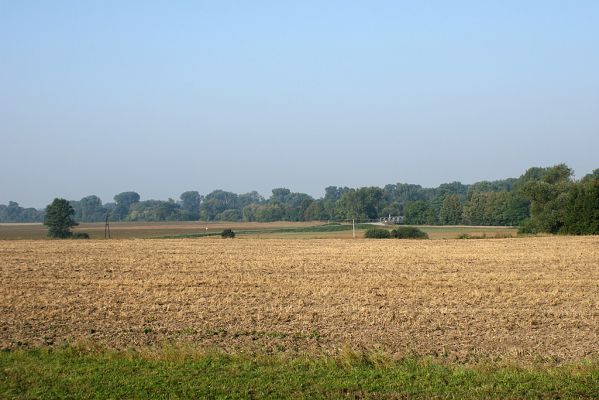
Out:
{"x": 408, "y": 232}
{"x": 376, "y": 233}
{"x": 80, "y": 235}
{"x": 227, "y": 233}
{"x": 528, "y": 227}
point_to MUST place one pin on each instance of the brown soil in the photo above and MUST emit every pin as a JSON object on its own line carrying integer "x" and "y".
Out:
{"x": 518, "y": 298}
{"x": 128, "y": 230}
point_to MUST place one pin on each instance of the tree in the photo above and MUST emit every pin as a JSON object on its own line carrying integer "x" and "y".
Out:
{"x": 249, "y": 212}
{"x": 89, "y": 209}
{"x": 314, "y": 211}
{"x": 295, "y": 205}
{"x": 123, "y": 203}
{"x": 451, "y": 210}
{"x": 549, "y": 192}
{"x": 280, "y": 195}
{"x": 216, "y": 202}
{"x": 232, "y": 214}
{"x": 495, "y": 208}
{"x": 592, "y": 176}
{"x": 252, "y": 197}
{"x": 154, "y": 210}
{"x": 59, "y": 219}
{"x": 362, "y": 203}
{"x": 582, "y": 211}
{"x": 190, "y": 202}
{"x": 269, "y": 212}
{"x": 332, "y": 195}
{"x": 15, "y": 213}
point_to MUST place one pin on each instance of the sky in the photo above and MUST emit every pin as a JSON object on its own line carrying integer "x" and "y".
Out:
{"x": 101, "y": 97}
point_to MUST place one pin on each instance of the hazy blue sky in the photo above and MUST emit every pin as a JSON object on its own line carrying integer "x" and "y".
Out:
{"x": 162, "y": 97}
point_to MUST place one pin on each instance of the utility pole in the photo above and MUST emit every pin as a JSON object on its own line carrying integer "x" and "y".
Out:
{"x": 106, "y": 228}
{"x": 353, "y": 227}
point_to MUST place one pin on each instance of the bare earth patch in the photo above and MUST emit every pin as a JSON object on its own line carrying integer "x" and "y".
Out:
{"x": 517, "y": 298}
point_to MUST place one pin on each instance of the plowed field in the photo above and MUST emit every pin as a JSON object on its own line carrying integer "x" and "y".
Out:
{"x": 519, "y": 298}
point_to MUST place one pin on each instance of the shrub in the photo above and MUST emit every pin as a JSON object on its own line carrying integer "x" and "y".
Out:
{"x": 528, "y": 227}
{"x": 408, "y": 232}
{"x": 376, "y": 233}
{"x": 227, "y": 233}
{"x": 80, "y": 235}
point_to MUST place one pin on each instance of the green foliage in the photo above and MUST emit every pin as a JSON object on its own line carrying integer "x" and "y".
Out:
{"x": 190, "y": 203}
{"x": 582, "y": 209}
{"x": 270, "y": 212}
{"x": 89, "y": 209}
{"x": 558, "y": 204}
{"x": 69, "y": 373}
{"x": 249, "y": 212}
{"x": 124, "y": 201}
{"x": 504, "y": 185}
{"x": 377, "y": 233}
{"x": 592, "y": 176}
{"x": 362, "y": 203}
{"x": 419, "y": 213}
{"x": 59, "y": 219}
{"x": 229, "y": 215}
{"x": 549, "y": 192}
{"x": 249, "y": 198}
{"x": 527, "y": 227}
{"x": 155, "y": 210}
{"x": 541, "y": 200}
{"x": 227, "y": 234}
{"x": 315, "y": 211}
{"x": 451, "y": 210}
{"x": 495, "y": 208}
{"x": 408, "y": 232}
{"x": 80, "y": 235}
{"x": 331, "y": 197}
{"x": 216, "y": 202}
{"x": 280, "y": 195}
{"x": 14, "y": 213}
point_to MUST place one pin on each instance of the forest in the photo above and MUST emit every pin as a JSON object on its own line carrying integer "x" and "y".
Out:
{"x": 543, "y": 199}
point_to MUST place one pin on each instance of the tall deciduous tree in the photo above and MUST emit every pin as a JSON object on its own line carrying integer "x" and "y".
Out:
{"x": 190, "y": 202}
{"x": 124, "y": 201}
{"x": 451, "y": 210}
{"x": 59, "y": 219}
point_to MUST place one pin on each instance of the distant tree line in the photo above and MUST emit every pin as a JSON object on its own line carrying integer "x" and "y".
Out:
{"x": 541, "y": 200}
{"x": 15, "y": 213}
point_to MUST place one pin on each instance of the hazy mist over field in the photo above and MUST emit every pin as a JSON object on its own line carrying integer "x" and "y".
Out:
{"x": 104, "y": 97}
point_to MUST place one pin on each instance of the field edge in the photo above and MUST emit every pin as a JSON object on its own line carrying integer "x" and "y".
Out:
{"x": 82, "y": 372}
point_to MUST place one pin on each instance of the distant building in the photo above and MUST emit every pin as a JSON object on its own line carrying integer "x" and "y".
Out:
{"x": 392, "y": 219}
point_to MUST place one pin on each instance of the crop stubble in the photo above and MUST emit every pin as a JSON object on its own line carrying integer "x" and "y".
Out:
{"x": 520, "y": 298}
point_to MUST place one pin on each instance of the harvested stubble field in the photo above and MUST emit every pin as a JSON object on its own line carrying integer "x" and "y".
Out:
{"x": 462, "y": 299}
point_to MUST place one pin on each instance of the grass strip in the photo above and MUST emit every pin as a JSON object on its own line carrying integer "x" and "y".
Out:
{"x": 72, "y": 373}
{"x": 306, "y": 229}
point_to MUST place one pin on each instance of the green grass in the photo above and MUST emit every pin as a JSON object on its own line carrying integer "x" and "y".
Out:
{"x": 71, "y": 373}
